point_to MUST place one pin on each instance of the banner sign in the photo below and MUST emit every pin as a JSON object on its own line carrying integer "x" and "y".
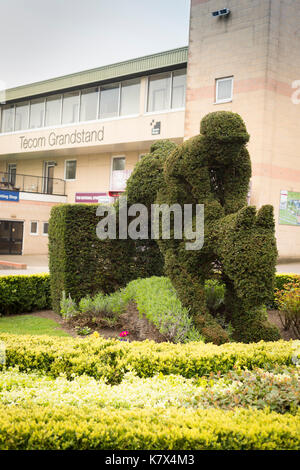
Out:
{"x": 93, "y": 198}
{"x": 289, "y": 209}
{"x": 12, "y": 196}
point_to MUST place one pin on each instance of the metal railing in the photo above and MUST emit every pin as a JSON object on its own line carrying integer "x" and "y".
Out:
{"x": 32, "y": 184}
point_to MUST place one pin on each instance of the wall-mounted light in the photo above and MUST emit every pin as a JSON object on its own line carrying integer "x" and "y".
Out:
{"x": 223, "y": 12}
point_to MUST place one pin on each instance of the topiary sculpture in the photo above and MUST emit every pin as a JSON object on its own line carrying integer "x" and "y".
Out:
{"x": 214, "y": 169}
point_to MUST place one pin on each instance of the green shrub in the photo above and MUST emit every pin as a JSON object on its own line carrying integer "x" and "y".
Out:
{"x": 214, "y": 169}
{"x": 111, "y": 359}
{"x": 280, "y": 281}
{"x": 24, "y": 294}
{"x": 288, "y": 301}
{"x": 81, "y": 264}
{"x": 65, "y": 427}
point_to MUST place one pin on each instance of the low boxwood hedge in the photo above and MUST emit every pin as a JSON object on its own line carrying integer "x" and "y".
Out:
{"x": 42, "y": 428}
{"x": 24, "y": 294}
{"x": 111, "y": 359}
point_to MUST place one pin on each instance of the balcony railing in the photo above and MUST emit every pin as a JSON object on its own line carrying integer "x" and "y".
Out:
{"x": 32, "y": 184}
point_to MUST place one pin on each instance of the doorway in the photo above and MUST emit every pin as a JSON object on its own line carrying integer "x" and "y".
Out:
{"x": 48, "y": 177}
{"x": 11, "y": 237}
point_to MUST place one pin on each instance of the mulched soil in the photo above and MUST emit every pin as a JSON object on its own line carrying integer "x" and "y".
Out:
{"x": 139, "y": 328}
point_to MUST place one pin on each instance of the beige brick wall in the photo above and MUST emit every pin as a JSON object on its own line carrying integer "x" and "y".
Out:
{"x": 259, "y": 45}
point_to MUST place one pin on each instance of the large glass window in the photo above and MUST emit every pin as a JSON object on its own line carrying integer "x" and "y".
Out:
{"x": 109, "y": 101}
{"x": 159, "y": 92}
{"x": 178, "y": 89}
{"x": 37, "y": 110}
{"x": 7, "y": 118}
{"x": 53, "y": 110}
{"x": 130, "y": 97}
{"x": 89, "y": 104}
{"x": 70, "y": 107}
{"x": 21, "y": 119}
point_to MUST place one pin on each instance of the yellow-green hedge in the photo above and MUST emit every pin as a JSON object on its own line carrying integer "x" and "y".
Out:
{"x": 112, "y": 358}
{"x": 91, "y": 428}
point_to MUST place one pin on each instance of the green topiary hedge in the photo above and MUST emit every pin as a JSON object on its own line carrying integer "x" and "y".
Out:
{"x": 214, "y": 169}
{"x": 22, "y": 293}
{"x": 81, "y": 264}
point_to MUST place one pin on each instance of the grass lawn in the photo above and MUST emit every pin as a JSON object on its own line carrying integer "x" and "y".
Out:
{"x": 30, "y": 325}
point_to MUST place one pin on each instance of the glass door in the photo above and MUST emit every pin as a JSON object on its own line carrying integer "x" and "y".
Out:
{"x": 11, "y": 237}
{"x": 48, "y": 177}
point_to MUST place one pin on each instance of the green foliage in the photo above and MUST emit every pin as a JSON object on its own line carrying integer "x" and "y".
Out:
{"x": 214, "y": 295}
{"x": 67, "y": 427}
{"x": 155, "y": 299}
{"x": 81, "y": 264}
{"x": 214, "y": 169}
{"x": 111, "y": 359}
{"x": 288, "y": 300}
{"x": 22, "y": 293}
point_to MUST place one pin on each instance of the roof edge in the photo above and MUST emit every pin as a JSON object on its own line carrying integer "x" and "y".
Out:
{"x": 119, "y": 69}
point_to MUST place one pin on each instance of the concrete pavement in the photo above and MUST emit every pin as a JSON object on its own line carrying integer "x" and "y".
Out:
{"x": 39, "y": 264}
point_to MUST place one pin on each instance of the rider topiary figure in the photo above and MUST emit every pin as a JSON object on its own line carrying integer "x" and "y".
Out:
{"x": 214, "y": 169}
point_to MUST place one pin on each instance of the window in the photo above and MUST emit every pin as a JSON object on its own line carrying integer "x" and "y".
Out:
{"x": 70, "y": 169}
{"x": 118, "y": 174}
{"x": 22, "y": 114}
{"x": 37, "y": 110}
{"x": 89, "y": 104}
{"x": 70, "y": 107}
{"x": 7, "y": 121}
{"x": 178, "y": 88}
{"x": 53, "y": 110}
{"x": 224, "y": 90}
{"x": 159, "y": 92}
{"x": 109, "y": 101}
{"x": 119, "y": 164}
{"x": 45, "y": 228}
{"x": 166, "y": 90}
{"x": 33, "y": 228}
{"x": 130, "y": 97}
{"x": 12, "y": 173}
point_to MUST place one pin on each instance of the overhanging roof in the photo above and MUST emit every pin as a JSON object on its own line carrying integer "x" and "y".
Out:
{"x": 108, "y": 72}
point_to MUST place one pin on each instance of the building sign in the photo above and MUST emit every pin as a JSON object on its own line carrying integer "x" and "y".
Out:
{"x": 12, "y": 196}
{"x": 289, "y": 209}
{"x": 54, "y": 139}
{"x": 93, "y": 198}
{"x": 155, "y": 127}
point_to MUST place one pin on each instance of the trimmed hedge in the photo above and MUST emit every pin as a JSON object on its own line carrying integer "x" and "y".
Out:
{"x": 22, "y": 293}
{"x": 214, "y": 169}
{"x": 112, "y": 358}
{"x": 81, "y": 264}
{"x": 41, "y": 428}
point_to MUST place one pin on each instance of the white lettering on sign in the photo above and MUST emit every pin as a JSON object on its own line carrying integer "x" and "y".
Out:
{"x": 69, "y": 138}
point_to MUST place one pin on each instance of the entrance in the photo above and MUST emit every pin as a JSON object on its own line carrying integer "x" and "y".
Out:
{"x": 11, "y": 237}
{"x": 48, "y": 177}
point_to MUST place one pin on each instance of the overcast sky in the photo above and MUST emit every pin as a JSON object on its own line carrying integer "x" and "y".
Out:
{"x": 40, "y": 39}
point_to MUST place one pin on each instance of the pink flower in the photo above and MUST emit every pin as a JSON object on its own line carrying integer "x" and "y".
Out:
{"x": 124, "y": 333}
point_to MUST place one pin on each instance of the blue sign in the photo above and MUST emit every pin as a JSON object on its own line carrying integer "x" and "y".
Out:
{"x": 12, "y": 196}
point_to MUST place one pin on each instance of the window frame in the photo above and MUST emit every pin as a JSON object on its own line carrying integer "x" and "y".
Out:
{"x": 37, "y": 227}
{"x": 169, "y": 109}
{"x": 43, "y": 232}
{"x": 217, "y": 81}
{"x": 65, "y": 172}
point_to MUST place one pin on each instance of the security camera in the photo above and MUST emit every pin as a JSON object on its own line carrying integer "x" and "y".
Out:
{"x": 223, "y": 12}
